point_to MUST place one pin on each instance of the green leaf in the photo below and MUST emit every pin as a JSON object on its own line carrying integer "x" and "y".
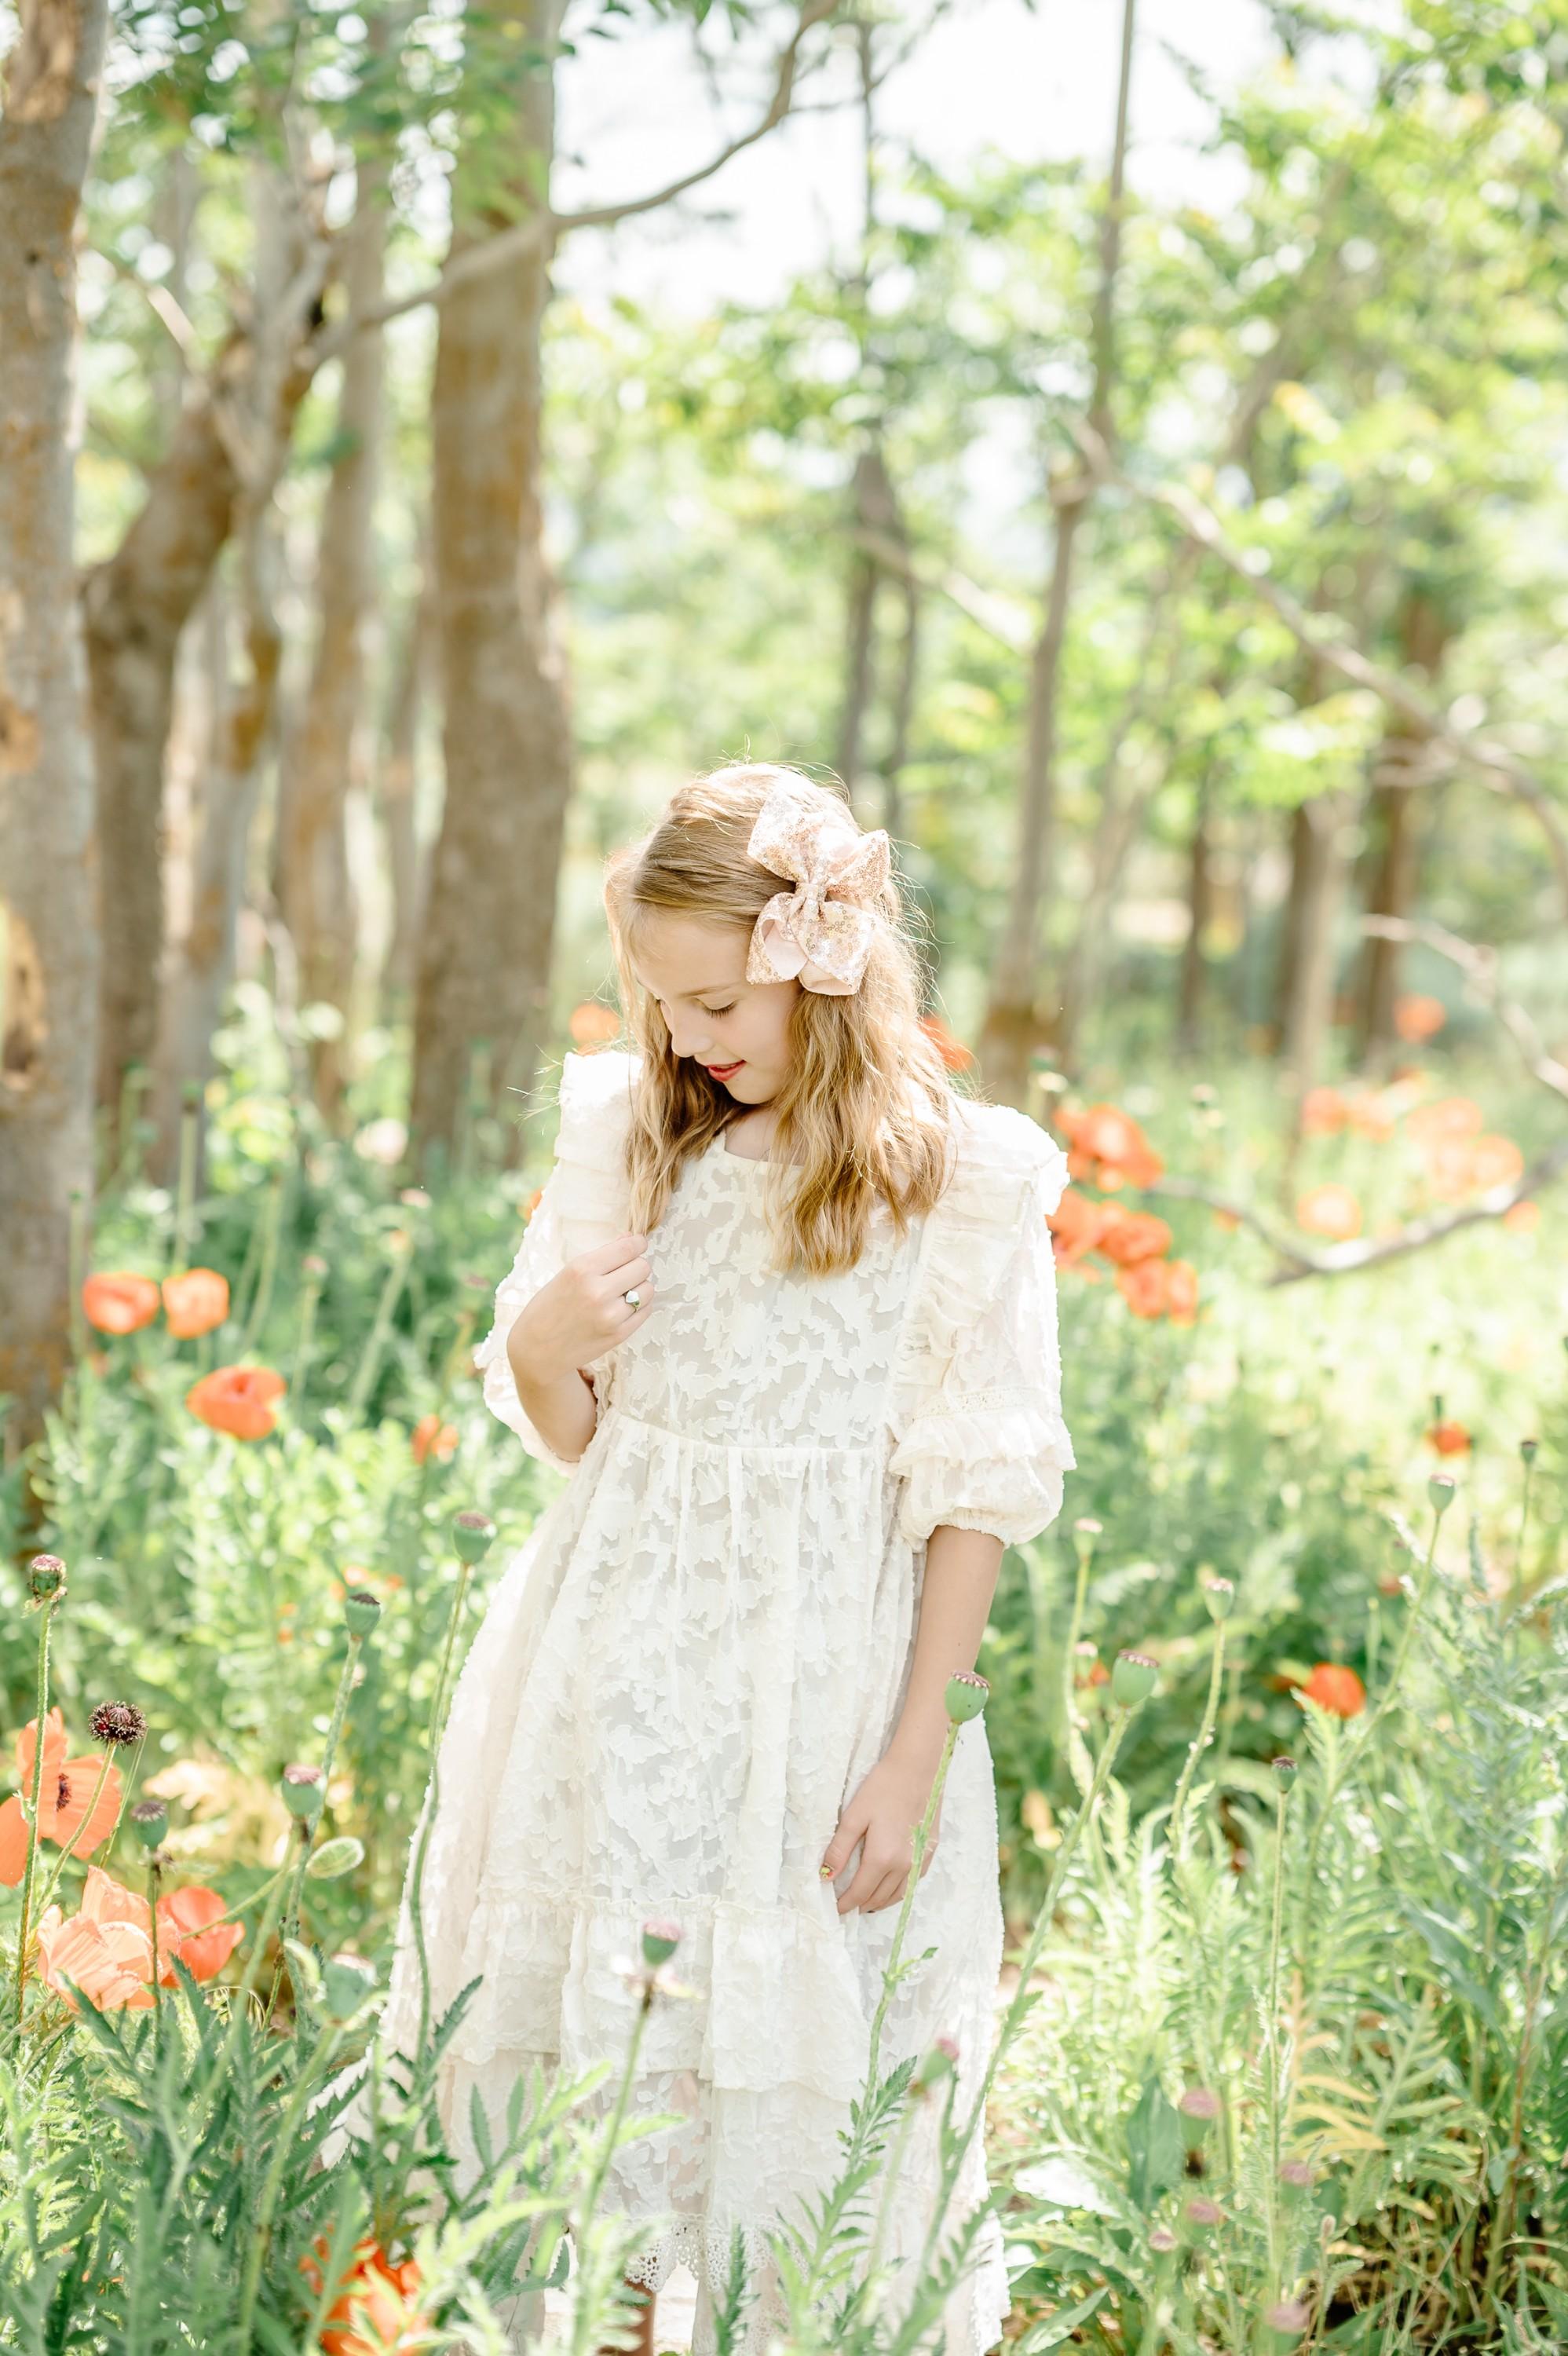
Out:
{"x": 1155, "y": 2152}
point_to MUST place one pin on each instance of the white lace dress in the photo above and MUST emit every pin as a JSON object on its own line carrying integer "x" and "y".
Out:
{"x": 700, "y": 1650}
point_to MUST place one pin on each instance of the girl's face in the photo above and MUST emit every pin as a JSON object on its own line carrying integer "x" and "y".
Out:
{"x": 696, "y": 974}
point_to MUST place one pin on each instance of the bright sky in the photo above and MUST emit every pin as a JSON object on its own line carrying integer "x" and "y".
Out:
{"x": 634, "y": 115}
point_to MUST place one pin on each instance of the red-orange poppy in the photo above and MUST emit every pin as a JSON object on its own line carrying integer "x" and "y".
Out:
{"x": 1374, "y": 1113}
{"x": 119, "y": 1304}
{"x": 1077, "y": 1223}
{"x": 957, "y": 1056}
{"x": 377, "y": 2306}
{"x": 1106, "y": 1146}
{"x": 238, "y": 1399}
{"x": 1328, "y": 1211}
{"x": 431, "y": 1437}
{"x": 1445, "y": 1116}
{"x": 593, "y": 1025}
{"x": 65, "y": 1796}
{"x": 1522, "y": 1218}
{"x": 1323, "y": 1112}
{"x": 531, "y": 1205}
{"x": 196, "y": 1303}
{"x": 1181, "y": 1291}
{"x": 1128, "y": 1237}
{"x": 1334, "y": 1687}
{"x": 1447, "y": 1439}
{"x": 1416, "y": 1017}
{"x": 190, "y": 1928}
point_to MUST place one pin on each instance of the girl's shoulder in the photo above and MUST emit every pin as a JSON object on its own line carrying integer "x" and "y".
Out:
{"x": 1000, "y": 1159}
{"x": 595, "y": 1097}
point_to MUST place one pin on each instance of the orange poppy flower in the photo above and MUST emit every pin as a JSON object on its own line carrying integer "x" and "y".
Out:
{"x": 591, "y": 1025}
{"x": 1181, "y": 1291}
{"x": 239, "y": 1399}
{"x": 1328, "y": 1211}
{"x": 64, "y": 1794}
{"x": 1522, "y": 1218}
{"x": 1323, "y": 1112}
{"x": 1128, "y": 1237}
{"x": 1336, "y": 1688}
{"x": 1416, "y": 1018}
{"x": 1494, "y": 1161}
{"x": 190, "y": 1928}
{"x": 957, "y": 1056}
{"x": 119, "y": 1304}
{"x": 1076, "y": 1225}
{"x": 110, "y": 1960}
{"x": 531, "y": 1205}
{"x": 1446, "y": 1116}
{"x": 1108, "y": 1146}
{"x": 431, "y": 1437}
{"x": 1448, "y": 1439}
{"x": 195, "y": 1302}
{"x": 376, "y": 2308}
{"x": 1373, "y": 1114}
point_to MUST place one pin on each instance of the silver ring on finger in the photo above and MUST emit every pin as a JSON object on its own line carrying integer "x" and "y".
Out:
{"x": 633, "y": 1299}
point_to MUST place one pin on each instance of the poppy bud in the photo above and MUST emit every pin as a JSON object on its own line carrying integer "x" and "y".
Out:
{"x": 346, "y": 1982}
{"x": 336, "y": 1857}
{"x": 1284, "y": 1770}
{"x": 660, "y": 1941}
{"x": 148, "y": 1819}
{"x": 117, "y": 1722}
{"x": 304, "y": 1792}
{"x": 1440, "y": 1491}
{"x": 361, "y": 1610}
{"x": 472, "y": 1534}
{"x": 968, "y": 1694}
{"x": 1133, "y": 1678}
{"x": 1220, "y": 1595}
{"x": 46, "y": 1577}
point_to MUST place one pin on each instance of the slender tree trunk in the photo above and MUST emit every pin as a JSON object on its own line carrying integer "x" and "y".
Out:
{"x": 1014, "y": 1024}
{"x": 876, "y": 510}
{"x": 48, "y": 918}
{"x": 904, "y": 686}
{"x": 1291, "y": 919}
{"x": 396, "y": 796}
{"x": 1200, "y": 907}
{"x": 489, "y": 927}
{"x": 1310, "y": 1011}
{"x": 1401, "y": 766}
{"x": 315, "y": 884}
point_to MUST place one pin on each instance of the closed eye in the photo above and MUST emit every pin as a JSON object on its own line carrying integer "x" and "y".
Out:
{"x": 721, "y": 1009}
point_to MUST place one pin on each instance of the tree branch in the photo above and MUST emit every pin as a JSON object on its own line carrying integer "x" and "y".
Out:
{"x": 1479, "y": 966}
{"x": 1499, "y": 768}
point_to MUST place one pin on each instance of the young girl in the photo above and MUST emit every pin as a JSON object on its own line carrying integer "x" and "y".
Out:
{"x": 785, "y": 1314}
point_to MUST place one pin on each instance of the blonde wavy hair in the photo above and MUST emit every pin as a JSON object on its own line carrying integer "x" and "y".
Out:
{"x": 866, "y": 1111}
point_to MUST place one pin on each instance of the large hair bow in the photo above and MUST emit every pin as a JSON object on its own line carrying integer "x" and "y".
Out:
{"x": 821, "y": 932}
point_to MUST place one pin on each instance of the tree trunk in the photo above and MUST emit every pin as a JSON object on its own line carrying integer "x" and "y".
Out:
{"x": 904, "y": 687}
{"x": 1288, "y": 961}
{"x": 49, "y": 921}
{"x": 1200, "y": 907}
{"x": 315, "y": 882}
{"x": 1310, "y": 1011}
{"x": 489, "y": 927}
{"x": 1014, "y": 1024}
{"x": 876, "y": 512}
{"x": 1401, "y": 766}
{"x": 397, "y": 785}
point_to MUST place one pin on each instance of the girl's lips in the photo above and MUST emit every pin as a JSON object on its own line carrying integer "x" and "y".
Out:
{"x": 724, "y": 1071}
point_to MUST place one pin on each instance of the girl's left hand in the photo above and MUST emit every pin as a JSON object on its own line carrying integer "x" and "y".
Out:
{"x": 882, "y": 1816}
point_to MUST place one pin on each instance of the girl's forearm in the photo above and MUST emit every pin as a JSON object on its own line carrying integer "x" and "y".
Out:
{"x": 560, "y": 1404}
{"x": 961, "y": 1568}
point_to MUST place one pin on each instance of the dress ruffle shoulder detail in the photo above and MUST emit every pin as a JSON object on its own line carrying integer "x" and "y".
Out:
{"x": 977, "y": 1391}
{"x": 584, "y": 1202}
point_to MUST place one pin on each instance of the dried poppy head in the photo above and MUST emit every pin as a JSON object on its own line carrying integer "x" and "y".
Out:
{"x": 118, "y": 1722}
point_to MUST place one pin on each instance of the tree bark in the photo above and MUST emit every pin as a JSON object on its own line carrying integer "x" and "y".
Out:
{"x": 489, "y": 927}
{"x": 1200, "y": 908}
{"x": 397, "y": 785}
{"x": 1014, "y": 1023}
{"x": 1402, "y": 763}
{"x": 315, "y": 888}
{"x": 48, "y": 918}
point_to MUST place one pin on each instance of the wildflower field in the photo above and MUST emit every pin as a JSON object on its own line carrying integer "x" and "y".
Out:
{"x": 1277, "y": 1709}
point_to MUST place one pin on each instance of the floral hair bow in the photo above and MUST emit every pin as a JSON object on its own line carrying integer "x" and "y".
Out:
{"x": 821, "y": 932}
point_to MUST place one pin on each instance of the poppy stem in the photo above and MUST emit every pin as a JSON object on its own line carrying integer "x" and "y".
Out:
{"x": 585, "y": 2315}
{"x": 380, "y": 1326}
{"x": 310, "y": 1824}
{"x": 438, "y": 1711}
{"x": 1204, "y": 1736}
{"x": 69, "y": 1849}
{"x": 283, "y": 2152}
{"x": 38, "y": 1732}
{"x": 891, "y": 1974}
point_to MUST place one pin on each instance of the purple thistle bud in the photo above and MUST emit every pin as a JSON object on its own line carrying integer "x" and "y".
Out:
{"x": 1288, "y": 2314}
{"x": 938, "y": 2061}
{"x": 660, "y": 1940}
{"x": 1162, "y": 2241}
{"x": 118, "y": 1722}
{"x": 1197, "y": 2111}
{"x": 46, "y": 1577}
{"x": 1297, "y": 2174}
{"x": 1203, "y": 2214}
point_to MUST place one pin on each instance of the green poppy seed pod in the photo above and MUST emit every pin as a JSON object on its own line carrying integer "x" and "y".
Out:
{"x": 968, "y": 1694}
{"x": 361, "y": 1610}
{"x": 347, "y": 1982}
{"x": 1197, "y": 2110}
{"x": 660, "y": 1940}
{"x": 1284, "y": 1772}
{"x": 46, "y": 1577}
{"x": 149, "y": 1820}
{"x": 1220, "y": 1595}
{"x": 304, "y": 1792}
{"x": 1085, "y": 1533}
{"x": 1133, "y": 1678}
{"x": 1440, "y": 1491}
{"x": 1527, "y": 1449}
{"x": 472, "y": 1534}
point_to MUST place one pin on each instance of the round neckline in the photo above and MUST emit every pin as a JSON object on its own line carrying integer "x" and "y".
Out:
{"x": 720, "y": 1151}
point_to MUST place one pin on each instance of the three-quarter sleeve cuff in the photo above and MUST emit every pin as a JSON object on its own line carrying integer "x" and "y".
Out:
{"x": 988, "y": 1460}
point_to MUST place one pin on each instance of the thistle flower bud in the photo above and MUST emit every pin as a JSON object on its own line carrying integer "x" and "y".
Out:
{"x": 1133, "y": 1678}
{"x": 149, "y": 1820}
{"x": 660, "y": 1941}
{"x": 118, "y": 1723}
{"x": 46, "y": 1577}
{"x": 1297, "y": 2176}
{"x": 1197, "y": 2111}
{"x": 1201, "y": 2216}
{"x": 1085, "y": 1531}
{"x": 1288, "y": 2314}
{"x": 1284, "y": 1770}
{"x": 346, "y": 1981}
{"x": 968, "y": 1694}
{"x": 1162, "y": 2241}
{"x": 304, "y": 1792}
{"x": 1220, "y": 1595}
{"x": 938, "y": 2060}
{"x": 472, "y": 1534}
{"x": 361, "y": 1610}
{"x": 314, "y": 1265}
{"x": 1440, "y": 1492}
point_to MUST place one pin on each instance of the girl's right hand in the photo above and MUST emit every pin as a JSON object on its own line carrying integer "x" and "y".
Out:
{"x": 581, "y": 1313}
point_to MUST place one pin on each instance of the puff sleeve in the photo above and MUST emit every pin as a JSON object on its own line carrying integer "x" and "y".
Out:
{"x": 980, "y": 1442}
{"x": 584, "y": 1199}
